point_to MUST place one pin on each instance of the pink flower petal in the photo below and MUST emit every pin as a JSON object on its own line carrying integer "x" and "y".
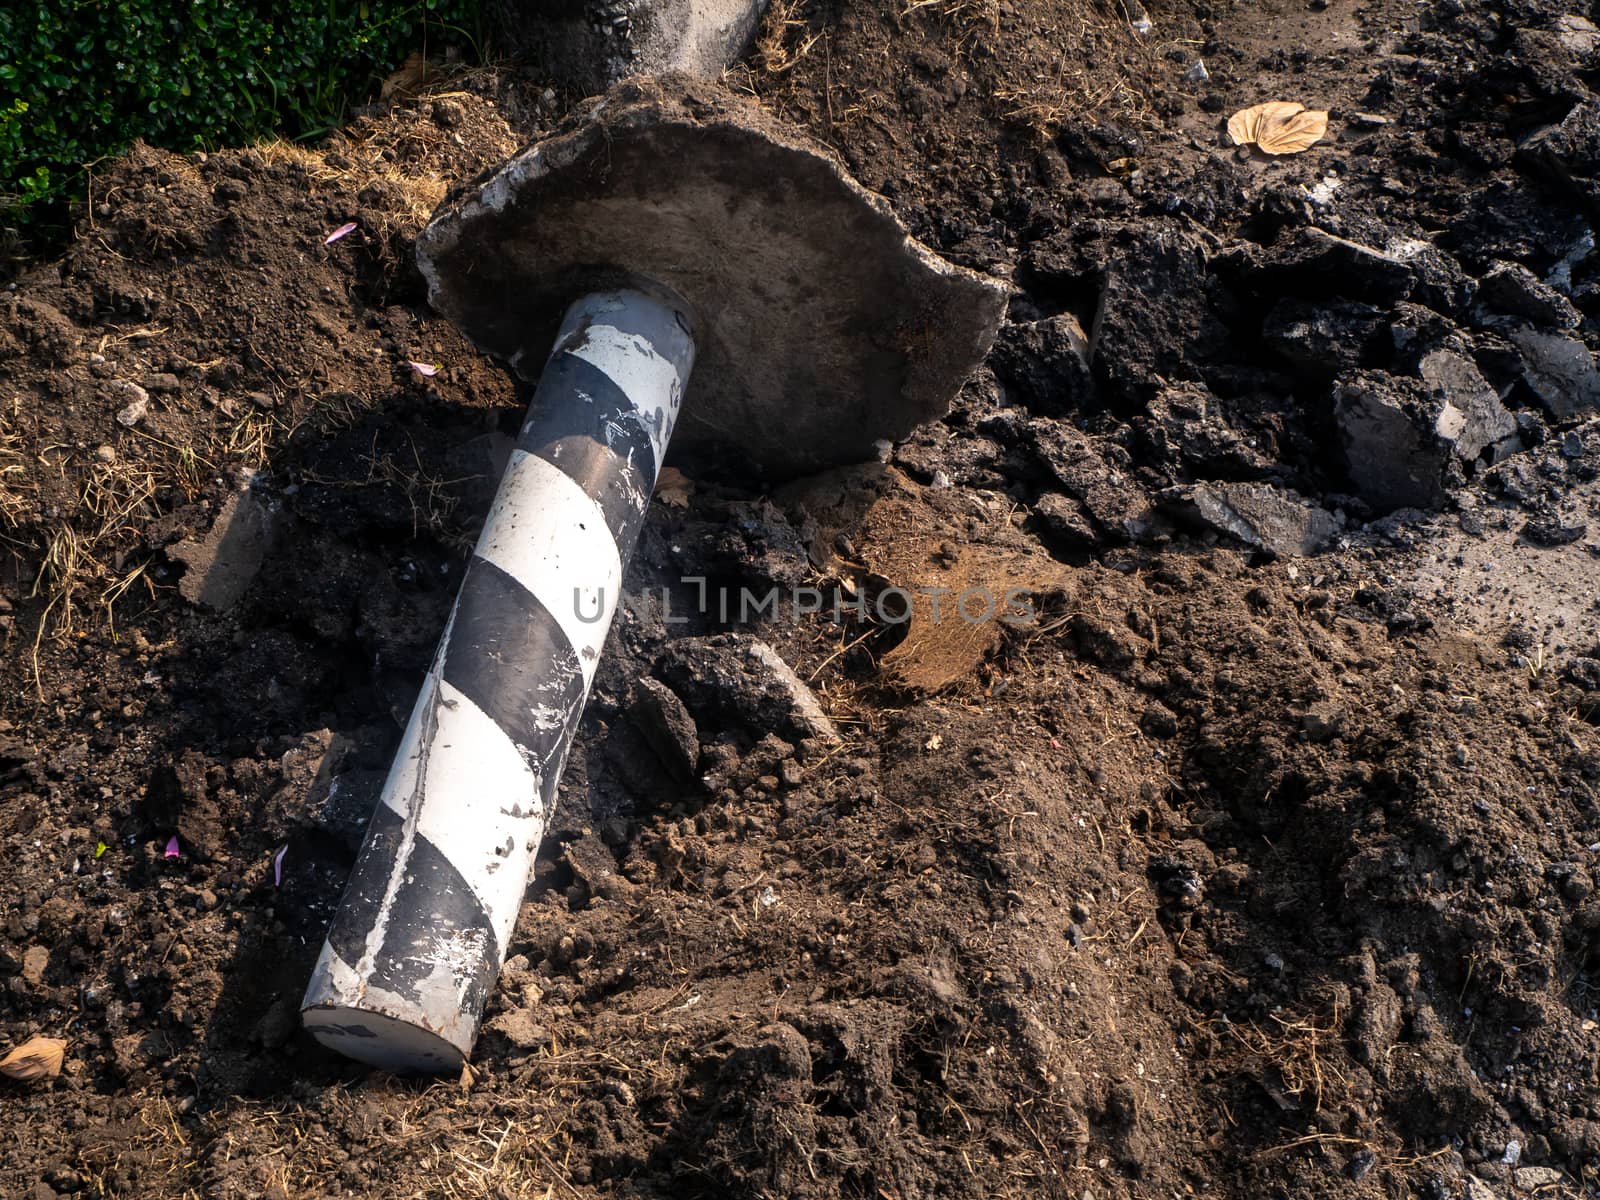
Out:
{"x": 347, "y": 227}
{"x": 428, "y": 369}
{"x": 277, "y": 865}
{"x": 172, "y": 847}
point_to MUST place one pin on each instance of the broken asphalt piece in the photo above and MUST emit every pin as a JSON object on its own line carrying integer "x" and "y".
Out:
{"x": 1400, "y": 435}
{"x": 1325, "y": 337}
{"x": 589, "y": 45}
{"x": 1107, "y": 491}
{"x": 1312, "y": 263}
{"x": 1472, "y": 420}
{"x": 1568, "y": 154}
{"x": 1560, "y": 371}
{"x": 664, "y": 722}
{"x": 1154, "y": 320}
{"x": 222, "y": 565}
{"x": 752, "y": 227}
{"x": 1276, "y": 520}
{"x": 1065, "y": 522}
{"x": 1183, "y": 424}
{"x": 1551, "y": 530}
{"x": 1044, "y": 365}
{"x": 726, "y": 680}
{"x": 1512, "y": 289}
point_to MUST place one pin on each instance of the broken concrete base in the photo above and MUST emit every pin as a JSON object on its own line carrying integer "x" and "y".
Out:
{"x": 1273, "y": 519}
{"x": 822, "y": 327}
{"x": 588, "y": 45}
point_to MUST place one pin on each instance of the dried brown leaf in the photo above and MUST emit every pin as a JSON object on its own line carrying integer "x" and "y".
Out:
{"x": 674, "y": 488}
{"x": 36, "y": 1058}
{"x": 1299, "y": 132}
{"x": 1278, "y": 127}
{"x": 408, "y": 80}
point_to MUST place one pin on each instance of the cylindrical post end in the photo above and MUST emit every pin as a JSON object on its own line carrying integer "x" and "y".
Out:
{"x": 422, "y": 930}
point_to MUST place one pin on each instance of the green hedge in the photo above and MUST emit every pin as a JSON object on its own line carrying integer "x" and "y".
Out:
{"x": 80, "y": 79}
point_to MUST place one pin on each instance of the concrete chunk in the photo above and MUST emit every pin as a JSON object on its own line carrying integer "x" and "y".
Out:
{"x": 822, "y": 326}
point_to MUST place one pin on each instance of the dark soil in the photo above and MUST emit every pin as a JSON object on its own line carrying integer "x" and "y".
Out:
{"x": 1229, "y": 872}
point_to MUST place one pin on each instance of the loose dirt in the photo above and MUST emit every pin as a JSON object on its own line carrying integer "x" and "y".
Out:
{"x": 1225, "y": 871}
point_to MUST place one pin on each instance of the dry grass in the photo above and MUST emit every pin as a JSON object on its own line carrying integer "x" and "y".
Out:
{"x": 785, "y": 36}
{"x": 15, "y": 486}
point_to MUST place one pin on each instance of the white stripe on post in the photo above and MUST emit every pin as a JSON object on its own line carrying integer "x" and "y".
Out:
{"x": 549, "y": 536}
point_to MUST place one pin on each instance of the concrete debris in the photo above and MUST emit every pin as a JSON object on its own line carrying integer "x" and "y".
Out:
{"x": 590, "y": 44}
{"x": 1512, "y": 289}
{"x": 1325, "y": 338}
{"x": 1394, "y": 451}
{"x": 1315, "y": 264}
{"x": 1273, "y": 519}
{"x": 502, "y": 258}
{"x": 664, "y": 722}
{"x": 222, "y": 564}
{"x": 1560, "y": 371}
{"x": 1472, "y": 418}
{"x": 727, "y": 679}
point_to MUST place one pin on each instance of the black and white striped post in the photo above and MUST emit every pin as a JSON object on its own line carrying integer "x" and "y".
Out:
{"x": 422, "y": 931}
{"x": 698, "y": 231}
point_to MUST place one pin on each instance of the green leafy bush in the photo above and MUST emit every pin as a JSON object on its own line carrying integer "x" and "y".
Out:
{"x": 80, "y": 79}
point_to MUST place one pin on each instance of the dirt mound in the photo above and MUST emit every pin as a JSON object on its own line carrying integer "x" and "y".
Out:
{"x": 1255, "y": 858}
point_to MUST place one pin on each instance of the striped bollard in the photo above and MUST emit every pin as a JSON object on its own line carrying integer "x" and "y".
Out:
{"x": 421, "y": 933}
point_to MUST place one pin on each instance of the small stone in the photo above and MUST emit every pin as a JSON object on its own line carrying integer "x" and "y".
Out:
{"x": 163, "y": 382}
{"x": 1551, "y": 531}
{"x": 1476, "y": 1189}
{"x": 133, "y": 399}
{"x": 105, "y": 454}
{"x": 277, "y": 1024}
{"x": 1360, "y": 1165}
